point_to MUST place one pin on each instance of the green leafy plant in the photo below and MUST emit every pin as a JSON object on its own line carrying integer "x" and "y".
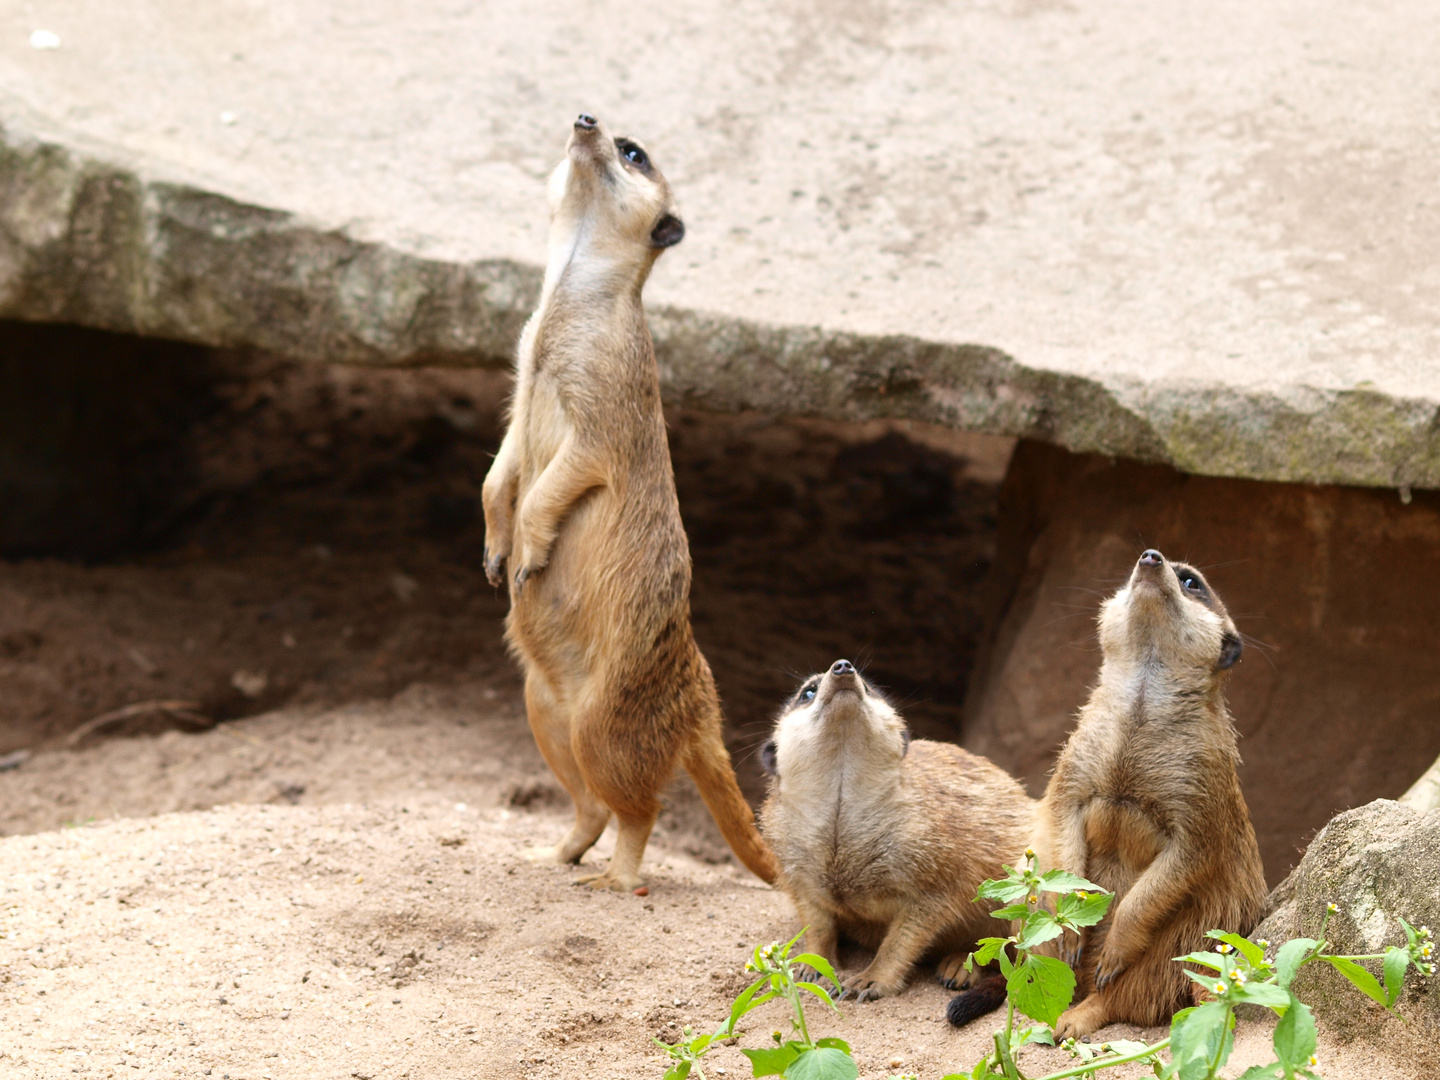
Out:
{"x": 1238, "y": 972}
{"x": 799, "y": 1057}
{"x": 1201, "y": 1037}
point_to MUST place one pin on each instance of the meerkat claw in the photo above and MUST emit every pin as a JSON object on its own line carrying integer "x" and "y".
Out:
{"x": 492, "y": 570}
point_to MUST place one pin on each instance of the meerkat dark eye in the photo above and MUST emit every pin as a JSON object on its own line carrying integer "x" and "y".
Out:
{"x": 1191, "y": 584}
{"x": 633, "y": 154}
{"x": 807, "y": 692}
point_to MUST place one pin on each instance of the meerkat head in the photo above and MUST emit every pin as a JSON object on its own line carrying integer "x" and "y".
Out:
{"x": 609, "y": 205}
{"x": 1168, "y": 614}
{"x": 834, "y": 713}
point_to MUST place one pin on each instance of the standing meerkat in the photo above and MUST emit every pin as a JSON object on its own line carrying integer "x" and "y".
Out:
{"x": 884, "y": 839}
{"x": 1145, "y": 800}
{"x": 580, "y": 501}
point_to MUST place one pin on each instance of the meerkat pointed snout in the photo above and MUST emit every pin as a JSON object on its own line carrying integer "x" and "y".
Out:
{"x": 608, "y": 186}
{"x": 1145, "y": 618}
{"x": 580, "y": 503}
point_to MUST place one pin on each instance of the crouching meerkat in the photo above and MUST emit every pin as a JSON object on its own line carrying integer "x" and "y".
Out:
{"x": 885, "y": 839}
{"x": 1145, "y": 801}
{"x": 580, "y": 502}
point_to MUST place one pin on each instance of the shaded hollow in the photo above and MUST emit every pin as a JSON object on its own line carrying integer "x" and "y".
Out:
{"x": 315, "y": 535}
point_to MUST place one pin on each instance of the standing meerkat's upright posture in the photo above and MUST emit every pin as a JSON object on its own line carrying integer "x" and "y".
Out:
{"x": 581, "y": 502}
{"x": 884, "y": 839}
{"x": 1145, "y": 801}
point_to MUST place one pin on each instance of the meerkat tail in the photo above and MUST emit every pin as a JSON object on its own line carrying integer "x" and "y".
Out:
{"x": 984, "y": 996}
{"x": 708, "y": 763}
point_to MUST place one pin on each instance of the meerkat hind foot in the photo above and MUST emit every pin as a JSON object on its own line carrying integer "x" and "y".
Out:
{"x": 1084, "y": 1019}
{"x": 615, "y": 882}
{"x": 952, "y": 974}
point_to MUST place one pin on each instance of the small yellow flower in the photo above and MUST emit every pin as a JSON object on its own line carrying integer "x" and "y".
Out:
{"x": 1426, "y": 950}
{"x": 1314, "y": 1062}
{"x": 1218, "y": 988}
{"x": 1033, "y": 898}
{"x": 1225, "y": 947}
{"x": 1262, "y": 943}
{"x": 1332, "y": 908}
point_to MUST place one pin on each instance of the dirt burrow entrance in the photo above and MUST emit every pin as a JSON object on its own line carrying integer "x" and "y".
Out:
{"x": 291, "y": 534}
{"x": 388, "y": 925}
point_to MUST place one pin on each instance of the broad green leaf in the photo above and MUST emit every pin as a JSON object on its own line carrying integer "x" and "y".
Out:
{"x": 1397, "y": 960}
{"x": 1039, "y": 931}
{"x": 747, "y": 1001}
{"x": 773, "y": 1060}
{"x": 1366, "y": 983}
{"x": 1252, "y": 952}
{"x": 1295, "y": 1036}
{"x": 834, "y": 1043}
{"x": 1002, "y": 889}
{"x": 1263, "y": 993}
{"x": 679, "y": 1071}
{"x": 1041, "y": 987}
{"x": 1196, "y": 1039}
{"x": 819, "y": 991}
{"x": 1209, "y": 959}
{"x": 990, "y": 948}
{"x": 1073, "y": 910}
{"x": 1012, "y": 911}
{"x": 1037, "y": 1033}
{"x": 1064, "y": 881}
{"x": 823, "y": 1063}
{"x": 819, "y": 963}
{"x": 1410, "y": 933}
{"x": 1262, "y": 1072}
{"x": 1287, "y": 960}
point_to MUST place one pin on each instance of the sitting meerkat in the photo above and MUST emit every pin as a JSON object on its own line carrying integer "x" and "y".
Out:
{"x": 1145, "y": 801}
{"x": 885, "y": 839}
{"x": 580, "y": 501}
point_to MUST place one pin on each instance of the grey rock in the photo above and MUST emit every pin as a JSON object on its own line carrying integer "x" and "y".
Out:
{"x": 1031, "y": 219}
{"x": 1378, "y": 863}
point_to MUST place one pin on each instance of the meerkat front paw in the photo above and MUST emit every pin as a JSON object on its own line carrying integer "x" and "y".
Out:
{"x": 863, "y": 987}
{"x": 1109, "y": 966}
{"x": 494, "y": 562}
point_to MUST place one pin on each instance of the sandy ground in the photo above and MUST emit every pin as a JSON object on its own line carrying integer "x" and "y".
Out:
{"x": 344, "y": 893}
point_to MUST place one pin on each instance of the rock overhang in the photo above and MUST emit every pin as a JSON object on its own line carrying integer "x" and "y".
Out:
{"x": 1080, "y": 247}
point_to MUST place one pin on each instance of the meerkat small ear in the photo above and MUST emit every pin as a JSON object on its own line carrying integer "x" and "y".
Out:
{"x": 905, "y": 738}
{"x": 1230, "y": 650}
{"x": 767, "y": 758}
{"x": 668, "y": 231}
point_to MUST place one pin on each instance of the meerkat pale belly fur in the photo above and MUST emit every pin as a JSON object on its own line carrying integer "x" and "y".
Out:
{"x": 882, "y": 839}
{"x": 1145, "y": 800}
{"x": 580, "y": 501}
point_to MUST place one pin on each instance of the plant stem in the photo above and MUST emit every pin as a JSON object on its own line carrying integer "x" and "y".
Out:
{"x": 1081, "y": 1070}
{"x": 1220, "y": 1049}
{"x": 794, "y": 996}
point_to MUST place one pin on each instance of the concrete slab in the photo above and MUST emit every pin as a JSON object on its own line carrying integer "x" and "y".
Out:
{"x": 1203, "y": 235}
